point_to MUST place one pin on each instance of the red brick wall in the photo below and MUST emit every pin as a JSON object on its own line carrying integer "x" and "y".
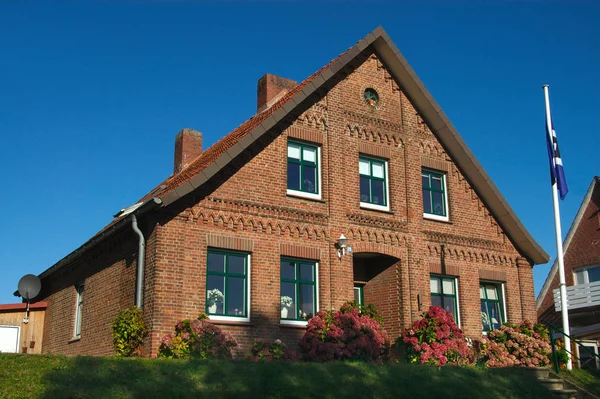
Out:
{"x": 251, "y": 203}
{"x": 248, "y": 202}
{"x": 108, "y": 276}
{"x": 583, "y": 250}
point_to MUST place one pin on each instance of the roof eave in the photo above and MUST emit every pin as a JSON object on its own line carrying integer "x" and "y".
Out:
{"x": 148, "y": 205}
{"x": 460, "y": 153}
{"x": 431, "y": 113}
{"x": 574, "y": 226}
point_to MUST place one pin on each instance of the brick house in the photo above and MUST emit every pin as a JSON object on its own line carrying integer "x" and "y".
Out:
{"x": 581, "y": 251}
{"x": 247, "y": 230}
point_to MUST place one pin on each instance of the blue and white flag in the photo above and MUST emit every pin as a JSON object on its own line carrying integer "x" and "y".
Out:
{"x": 557, "y": 172}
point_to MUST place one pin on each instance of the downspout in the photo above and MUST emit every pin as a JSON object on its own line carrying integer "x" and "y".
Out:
{"x": 140, "y": 262}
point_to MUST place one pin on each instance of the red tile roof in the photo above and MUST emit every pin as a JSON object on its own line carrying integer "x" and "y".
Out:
{"x": 168, "y": 190}
{"x": 220, "y": 147}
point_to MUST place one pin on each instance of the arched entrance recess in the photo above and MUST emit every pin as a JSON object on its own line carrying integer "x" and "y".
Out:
{"x": 377, "y": 280}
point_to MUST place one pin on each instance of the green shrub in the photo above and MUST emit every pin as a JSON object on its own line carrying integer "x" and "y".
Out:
{"x": 276, "y": 350}
{"x": 435, "y": 339}
{"x": 522, "y": 345}
{"x": 344, "y": 334}
{"x": 129, "y": 332}
{"x": 199, "y": 339}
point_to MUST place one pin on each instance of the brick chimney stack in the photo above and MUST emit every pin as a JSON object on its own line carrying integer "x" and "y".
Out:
{"x": 270, "y": 89}
{"x": 188, "y": 145}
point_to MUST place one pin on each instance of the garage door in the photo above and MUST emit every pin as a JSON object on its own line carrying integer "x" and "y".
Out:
{"x": 9, "y": 339}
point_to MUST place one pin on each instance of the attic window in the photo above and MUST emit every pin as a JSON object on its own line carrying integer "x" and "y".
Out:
{"x": 371, "y": 96}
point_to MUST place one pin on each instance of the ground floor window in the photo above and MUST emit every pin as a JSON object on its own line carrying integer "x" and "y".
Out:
{"x": 359, "y": 297}
{"x": 78, "y": 311}
{"x": 492, "y": 309}
{"x": 443, "y": 294}
{"x": 227, "y": 283}
{"x": 298, "y": 289}
{"x": 586, "y": 353}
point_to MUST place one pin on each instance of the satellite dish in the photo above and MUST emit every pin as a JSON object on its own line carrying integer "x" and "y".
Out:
{"x": 29, "y": 286}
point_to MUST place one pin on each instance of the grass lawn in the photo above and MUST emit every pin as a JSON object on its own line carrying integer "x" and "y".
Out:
{"x": 586, "y": 379}
{"x": 36, "y": 376}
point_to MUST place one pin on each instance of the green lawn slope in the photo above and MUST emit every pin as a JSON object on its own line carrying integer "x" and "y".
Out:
{"x": 35, "y": 376}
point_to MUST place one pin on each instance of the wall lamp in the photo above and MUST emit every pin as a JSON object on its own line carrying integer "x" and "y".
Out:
{"x": 342, "y": 246}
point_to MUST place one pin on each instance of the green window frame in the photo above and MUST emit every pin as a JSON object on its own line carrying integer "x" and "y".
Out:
{"x": 359, "y": 294}
{"x": 227, "y": 283}
{"x": 373, "y": 181}
{"x": 444, "y": 293}
{"x": 435, "y": 196}
{"x": 298, "y": 289}
{"x": 303, "y": 167}
{"x": 492, "y": 306}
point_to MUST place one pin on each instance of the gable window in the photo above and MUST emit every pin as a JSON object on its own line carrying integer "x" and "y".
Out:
{"x": 303, "y": 164}
{"x": 298, "y": 290}
{"x": 587, "y": 275}
{"x": 227, "y": 286}
{"x": 444, "y": 294}
{"x": 435, "y": 196}
{"x": 492, "y": 306}
{"x": 373, "y": 183}
{"x": 78, "y": 311}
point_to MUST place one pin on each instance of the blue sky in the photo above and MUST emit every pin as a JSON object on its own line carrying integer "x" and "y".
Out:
{"x": 93, "y": 93}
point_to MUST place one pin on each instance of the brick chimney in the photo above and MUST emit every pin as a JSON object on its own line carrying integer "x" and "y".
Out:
{"x": 270, "y": 89}
{"x": 188, "y": 145}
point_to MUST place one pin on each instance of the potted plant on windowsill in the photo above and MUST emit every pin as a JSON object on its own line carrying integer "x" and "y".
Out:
{"x": 213, "y": 298}
{"x": 286, "y": 303}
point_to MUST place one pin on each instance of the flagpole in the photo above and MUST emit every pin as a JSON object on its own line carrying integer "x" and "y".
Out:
{"x": 559, "y": 247}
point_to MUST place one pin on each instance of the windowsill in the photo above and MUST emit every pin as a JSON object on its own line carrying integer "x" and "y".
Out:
{"x": 232, "y": 322}
{"x": 229, "y": 320}
{"x": 74, "y": 339}
{"x": 293, "y": 324}
{"x": 303, "y": 195}
{"x": 379, "y": 208}
{"x": 436, "y": 218}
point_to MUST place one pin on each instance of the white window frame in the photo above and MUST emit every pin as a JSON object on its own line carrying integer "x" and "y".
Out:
{"x": 367, "y": 205}
{"x": 586, "y": 275}
{"x": 18, "y": 345}
{"x": 302, "y": 194}
{"x": 299, "y": 322}
{"x": 248, "y": 296}
{"x": 592, "y": 344}
{"x": 447, "y": 203}
{"x": 502, "y": 291}
{"x": 78, "y": 310}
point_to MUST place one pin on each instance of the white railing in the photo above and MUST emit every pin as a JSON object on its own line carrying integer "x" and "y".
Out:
{"x": 579, "y": 296}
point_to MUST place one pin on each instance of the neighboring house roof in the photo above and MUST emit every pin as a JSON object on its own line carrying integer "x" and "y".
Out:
{"x": 215, "y": 158}
{"x": 574, "y": 227}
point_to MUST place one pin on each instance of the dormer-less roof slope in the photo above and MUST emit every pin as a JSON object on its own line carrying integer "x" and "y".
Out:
{"x": 215, "y": 158}
{"x": 574, "y": 227}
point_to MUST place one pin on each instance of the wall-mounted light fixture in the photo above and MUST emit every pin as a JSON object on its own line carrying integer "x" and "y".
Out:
{"x": 342, "y": 246}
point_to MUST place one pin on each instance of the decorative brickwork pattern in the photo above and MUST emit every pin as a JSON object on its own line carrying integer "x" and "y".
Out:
{"x": 245, "y": 207}
{"x": 229, "y": 242}
{"x": 297, "y": 251}
{"x": 433, "y": 163}
{"x": 494, "y": 275}
{"x": 312, "y": 135}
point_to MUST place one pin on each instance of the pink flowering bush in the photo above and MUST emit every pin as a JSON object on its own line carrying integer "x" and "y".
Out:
{"x": 198, "y": 339}
{"x": 344, "y": 334}
{"x": 276, "y": 350}
{"x": 436, "y": 340}
{"x": 524, "y": 345}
